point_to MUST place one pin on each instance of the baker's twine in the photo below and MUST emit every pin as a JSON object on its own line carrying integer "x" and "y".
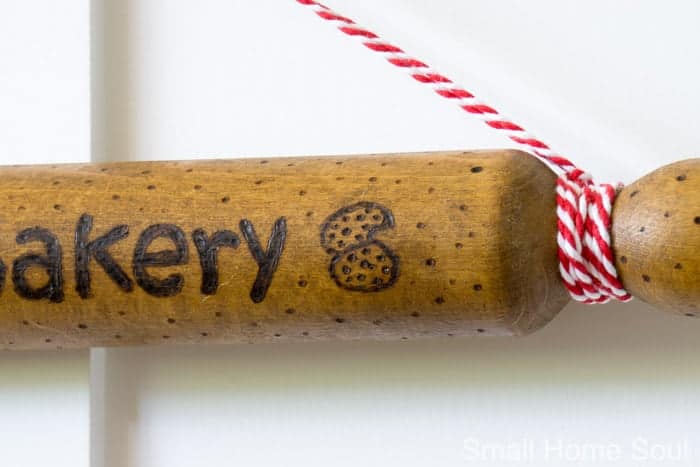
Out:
{"x": 583, "y": 207}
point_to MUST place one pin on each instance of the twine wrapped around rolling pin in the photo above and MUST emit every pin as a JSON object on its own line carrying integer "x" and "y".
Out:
{"x": 380, "y": 247}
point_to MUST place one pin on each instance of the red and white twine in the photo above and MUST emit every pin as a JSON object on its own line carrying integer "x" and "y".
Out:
{"x": 583, "y": 207}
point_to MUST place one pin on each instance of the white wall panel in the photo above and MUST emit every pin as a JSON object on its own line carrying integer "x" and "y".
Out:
{"x": 613, "y": 84}
{"x": 44, "y": 118}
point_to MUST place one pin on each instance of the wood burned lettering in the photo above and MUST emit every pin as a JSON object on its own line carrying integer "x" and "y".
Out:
{"x": 359, "y": 261}
{"x": 89, "y": 247}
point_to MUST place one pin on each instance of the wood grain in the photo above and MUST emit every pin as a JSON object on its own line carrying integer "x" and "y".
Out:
{"x": 435, "y": 244}
{"x": 656, "y": 237}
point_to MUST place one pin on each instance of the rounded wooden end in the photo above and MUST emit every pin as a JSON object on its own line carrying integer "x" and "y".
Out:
{"x": 656, "y": 237}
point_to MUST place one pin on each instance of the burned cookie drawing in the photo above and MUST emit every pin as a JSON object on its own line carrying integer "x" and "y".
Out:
{"x": 359, "y": 261}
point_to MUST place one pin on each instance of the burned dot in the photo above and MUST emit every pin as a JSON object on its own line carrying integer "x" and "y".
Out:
{"x": 309, "y": 213}
{"x": 56, "y": 182}
{"x": 198, "y": 187}
{"x": 25, "y": 322}
{"x": 258, "y": 182}
{"x": 302, "y": 192}
{"x": 263, "y": 161}
{"x": 104, "y": 169}
{"x": 302, "y": 283}
{"x": 225, "y": 199}
{"x": 430, "y": 262}
{"x": 634, "y": 193}
{"x": 477, "y": 287}
{"x": 439, "y": 300}
{"x": 204, "y": 334}
{"x": 398, "y": 181}
{"x": 642, "y": 229}
{"x": 290, "y": 311}
{"x": 678, "y": 266}
{"x": 188, "y": 170}
{"x": 47, "y": 340}
{"x": 681, "y": 178}
{"x": 697, "y": 220}
{"x": 338, "y": 162}
{"x": 459, "y": 246}
{"x": 87, "y": 182}
{"x": 305, "y": 333}
{"x": 122, "y": 313}
{"x": 420, "y": 225}
{"x": 415, "y": 314}
{"x": 117, "y": 336}
{"x": 646, "y": 278}
{"x": 340, "y": 320}
{"x": 404, "y": 338}
{"x": 463, "y": 207}
{"x": 57, "y": 207}
{"x": 145, "y": 172}
{"x": 431, "y": 163}
{"x": 431, "y": 190}
{"x": 151, "y": 187}
{"x": 667, "y": 214}
{"x": 476, "y": 169}
{"x": 82, "y": 326}
{"x": 471, "y": 234}
{"x": 480, "y": 330}
{"x": 254, "y": 324}
{"x": 166, "y": 337}
{"x": 372, "y": 179}
{"x": 377, "y": 322}
{"x": 383, "y": 164}
{"x": 290, "y": 165}
{"x": 623, "y": 259}
{"x": 171, "y": 321}
{"x": 690, "y": 314}
{"x": 340, "y": 178}
{"x": 218, "y": 314}
{"x": 21, "y": 208}
{"x": 116, "y": 197}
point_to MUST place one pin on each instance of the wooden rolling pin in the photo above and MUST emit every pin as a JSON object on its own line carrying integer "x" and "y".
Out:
{"x": 383, "y": 247}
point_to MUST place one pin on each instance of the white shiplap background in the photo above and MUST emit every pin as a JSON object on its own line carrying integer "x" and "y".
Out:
{"x": 611, "y": 84}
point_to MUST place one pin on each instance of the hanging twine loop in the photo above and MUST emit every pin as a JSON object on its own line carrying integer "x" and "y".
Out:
{"x": 586, "y": 261}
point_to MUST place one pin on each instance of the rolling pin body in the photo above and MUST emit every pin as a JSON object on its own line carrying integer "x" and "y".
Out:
{"x": 254, "y": 250}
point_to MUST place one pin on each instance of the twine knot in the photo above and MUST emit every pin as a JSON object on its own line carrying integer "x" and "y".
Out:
{"x": 586, "y": 259}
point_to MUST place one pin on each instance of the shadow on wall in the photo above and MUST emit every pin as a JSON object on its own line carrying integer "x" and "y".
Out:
{"x": 40, "y": 371}
{"x": 581, "y": 344}
{"x": 604, "y": 353}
